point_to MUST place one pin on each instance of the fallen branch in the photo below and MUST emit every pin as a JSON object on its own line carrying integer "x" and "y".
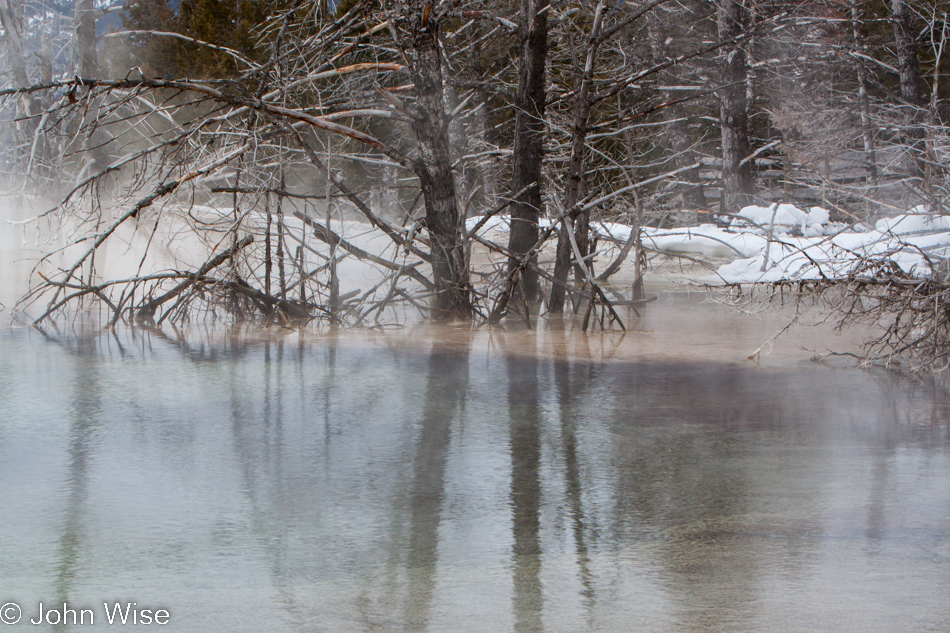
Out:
{"x": 328, "y": 237}
{"x": 147, "y": 310}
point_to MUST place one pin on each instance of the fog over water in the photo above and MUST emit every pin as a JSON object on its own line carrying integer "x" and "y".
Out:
{"x": 440, "y": 480}
{"x": 15, "y": 249}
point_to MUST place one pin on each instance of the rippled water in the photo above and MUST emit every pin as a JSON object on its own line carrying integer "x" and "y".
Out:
{"x": 449, "y": 481}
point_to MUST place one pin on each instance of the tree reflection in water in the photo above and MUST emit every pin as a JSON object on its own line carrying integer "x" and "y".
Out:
{"x": 525, "y": 429}
{"x": 355, "y": 485}
{"x": 446, "y": 387}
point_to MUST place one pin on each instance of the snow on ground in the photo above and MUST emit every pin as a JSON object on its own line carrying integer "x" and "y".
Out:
{"x": 784, "y": 217}
{"x": 915, "y": 242}
{"x": 802, "y": 245}
{"x": 705, "y": 240}
{"x": 757, "y": 244}
{"x": 917, "y": 220}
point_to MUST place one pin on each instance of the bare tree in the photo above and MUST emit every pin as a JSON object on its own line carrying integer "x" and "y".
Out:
{"x": 416, "y": 29}
{"x": 268, "y": 170}
{"x": 575, "y": 226}
{"x": 682, "y": 144}
{"x": 13, "y": 45}
{"x": 905, "y": 37}
{"x": 864, "y": 103}
{"x": 529, "y": 133}
{"x": 737, "y": 174}
{"x": 87, "y": 60}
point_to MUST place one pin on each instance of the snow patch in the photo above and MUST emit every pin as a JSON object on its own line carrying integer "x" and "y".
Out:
{"x": 918, "y": 220}
{"x": 802, "y": 245}
{"x": 784, "y": 216}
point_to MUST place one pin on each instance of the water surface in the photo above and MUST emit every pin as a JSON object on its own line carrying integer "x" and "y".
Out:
{"x": 450, "y": 481}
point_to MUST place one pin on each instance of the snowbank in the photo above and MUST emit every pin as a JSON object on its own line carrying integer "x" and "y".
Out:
{"x": 917, "y": 221}
{"x": 498, "y": 224}
{"x": 705, "y": 240}
{"x": 913, "y": 242}
{"x": 803, "y": 245}
{"x": 784, "y": 216}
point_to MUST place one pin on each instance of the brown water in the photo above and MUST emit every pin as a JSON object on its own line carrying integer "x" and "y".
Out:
{"x": 443, "y": 480}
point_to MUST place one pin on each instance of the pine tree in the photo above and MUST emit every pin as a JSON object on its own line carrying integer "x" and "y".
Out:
{"x": 154, "y": 55}
{"x": 226, "y": 23}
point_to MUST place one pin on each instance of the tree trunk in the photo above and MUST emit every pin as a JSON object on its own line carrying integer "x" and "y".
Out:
{"x": 911, "y": 95}
{"x": 465, "y": 181}
{"x": 529, "y": 138}
{"x": 488, "y": 173}
{"x": 28, "y": 105}
{"x": 434, "y": 165}
{"x": 87, "y": 64}
{"x": 737, "y": 177}
{"x": 575, "y": 181}
{"x": 46, "y": 58}
{"x": 691, "y": 189}
{"x": 694, "y": 195}
{"x": 867, "y": 132}
{"x": 13, "y": 45}
{"x": 88, "y": 68}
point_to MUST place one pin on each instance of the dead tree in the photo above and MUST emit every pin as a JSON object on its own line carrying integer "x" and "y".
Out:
{"x": 27, "y": 105}
{"x": 369, "y": 83}
{"x": 13, "y": 45}
{"x": 861, "y": 71}
{"x": 87, "y": 61}
{"x": 912, "y": 98}
{"x": 577, "y": 221}
{"x": 737, "y": 174}
{"x": 592, "y": 85}
{"x": 679, "y": 136}
{"x": 173, "y": 136}
{"x": 416, "y": 29}
{"x": 529, "y": 132}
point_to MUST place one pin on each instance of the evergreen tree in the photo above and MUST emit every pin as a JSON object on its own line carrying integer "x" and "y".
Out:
{"x": 154, "y": 55}
{"x": 226, "y": 23}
